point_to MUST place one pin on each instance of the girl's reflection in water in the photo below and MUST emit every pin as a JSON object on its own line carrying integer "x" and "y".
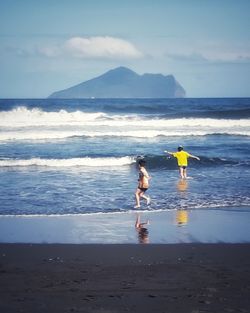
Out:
{"x": 141, "y": 229}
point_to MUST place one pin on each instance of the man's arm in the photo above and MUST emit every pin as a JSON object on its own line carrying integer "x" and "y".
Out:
{"x": 171, "y": 153}
{"x": 194, "y": 157}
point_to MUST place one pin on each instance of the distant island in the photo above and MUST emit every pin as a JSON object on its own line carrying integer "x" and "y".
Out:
{"x": 122, "y": 82}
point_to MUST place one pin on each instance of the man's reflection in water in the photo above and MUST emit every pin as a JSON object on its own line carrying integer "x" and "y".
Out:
{"x": 182, "y": 185}
{"x": 141, "y": 229}
{"x": 182, "y": 214}
{"x": 181, "y": 217}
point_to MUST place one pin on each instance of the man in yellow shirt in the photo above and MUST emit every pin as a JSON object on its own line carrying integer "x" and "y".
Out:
{"x": 182, "y": 159}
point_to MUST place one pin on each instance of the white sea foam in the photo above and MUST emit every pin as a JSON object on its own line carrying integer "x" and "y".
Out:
{"x": 140, "y": 133}
{"x": 215, "y": 208}
{"x": 75, "y": 215}
{"x": 86, "y": 161}
{"x": 34, "y": 124}
{"x": 23, "y": 117}
{"x": 38, "y": 134}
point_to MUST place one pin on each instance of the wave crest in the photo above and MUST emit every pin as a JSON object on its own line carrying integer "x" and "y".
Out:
{"x": 153, "y": 162}
{"x": 34, "y": 124}
{"x": 86, "y": 161}
{"x": 24, "y": 117}
{"x": 55, "y": 135}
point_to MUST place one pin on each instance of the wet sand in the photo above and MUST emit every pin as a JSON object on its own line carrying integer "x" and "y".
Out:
{"x": 229, "y": 225}
{"x": 98, "y": 278}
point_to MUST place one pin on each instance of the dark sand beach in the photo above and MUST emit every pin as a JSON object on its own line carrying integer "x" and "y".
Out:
{"x": 101, "y": 278}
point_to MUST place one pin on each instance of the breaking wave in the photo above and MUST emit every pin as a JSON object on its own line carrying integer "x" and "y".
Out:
{"x": 23, "y": 117}
{"x": 86, "y": 161}
{"x": 153, "y": 162}
{"x": 35, "y": 124}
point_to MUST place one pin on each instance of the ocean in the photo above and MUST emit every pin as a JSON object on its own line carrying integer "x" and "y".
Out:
{"x": 79, "y": 156}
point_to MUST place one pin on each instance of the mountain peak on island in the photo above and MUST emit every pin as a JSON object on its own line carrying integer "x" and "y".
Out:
{"x": 122, "y": 82}
{"x": 120, "y": 73}
{"x": 121, "y": 70}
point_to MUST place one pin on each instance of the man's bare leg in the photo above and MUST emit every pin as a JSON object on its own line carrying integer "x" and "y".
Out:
{"x": 181, "y": 172}
{"x": 184, "y": 173}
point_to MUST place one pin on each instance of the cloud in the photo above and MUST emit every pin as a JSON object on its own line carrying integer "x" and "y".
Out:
{"x": 210, "y": 57}
{"x": 82, "y": 47}
{"x": 49, "y": 52}
{"x": 207, "y": 52}
{"x": 192, "y": 57}
{"x": 101, "y": 47}
{"x": 33, "y": 51}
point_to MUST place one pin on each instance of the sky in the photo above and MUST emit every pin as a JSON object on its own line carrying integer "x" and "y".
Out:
{"x": 50, "y": 45}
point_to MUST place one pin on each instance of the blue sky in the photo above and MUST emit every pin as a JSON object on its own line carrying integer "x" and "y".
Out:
{"x": 50, "y": 45}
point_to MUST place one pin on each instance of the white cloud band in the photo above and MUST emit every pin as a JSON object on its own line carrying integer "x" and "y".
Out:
{"x": 101, "y": 47}
{"x": 92, "y": 47}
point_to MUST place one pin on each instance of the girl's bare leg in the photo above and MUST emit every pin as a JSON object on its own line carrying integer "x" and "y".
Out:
{"x": 137, "y": 223}
{"x": 137, "y": 198}
{"x": 147, "y": 198}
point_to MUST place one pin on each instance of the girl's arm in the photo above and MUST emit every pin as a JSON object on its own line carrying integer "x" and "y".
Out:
{"x": 145, "y": 173}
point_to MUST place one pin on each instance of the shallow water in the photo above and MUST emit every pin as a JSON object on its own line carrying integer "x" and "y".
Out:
{"x": 79, "y": 156}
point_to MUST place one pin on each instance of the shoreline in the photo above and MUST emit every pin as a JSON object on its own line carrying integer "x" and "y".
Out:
{"x": 176, "y": 278}
{"x": 166, "y": 227}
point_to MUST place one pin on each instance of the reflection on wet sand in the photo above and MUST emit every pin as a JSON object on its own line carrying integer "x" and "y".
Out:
{"x": 141, "y": 229}
{"x": 181, "y": 217}
{"x": 182, "y": 185}
{"x": 182, "y": 214}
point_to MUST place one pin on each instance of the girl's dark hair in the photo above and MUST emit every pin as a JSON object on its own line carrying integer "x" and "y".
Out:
{"x": 141, "y": 162}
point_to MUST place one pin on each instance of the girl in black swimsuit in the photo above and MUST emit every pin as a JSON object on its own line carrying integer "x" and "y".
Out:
{"x": 143, "y": 184}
